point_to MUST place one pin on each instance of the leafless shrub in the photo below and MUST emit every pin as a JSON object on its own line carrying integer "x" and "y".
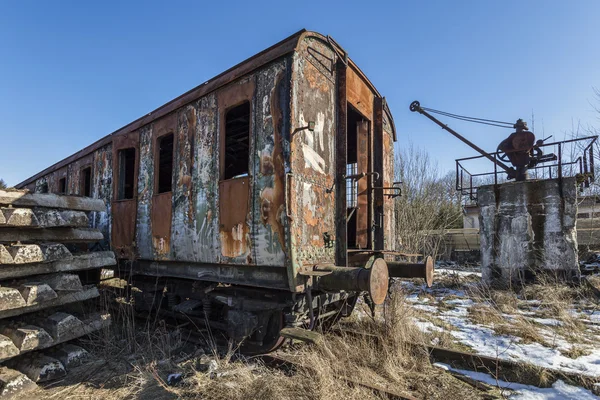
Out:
{"x": 429, "y": 203}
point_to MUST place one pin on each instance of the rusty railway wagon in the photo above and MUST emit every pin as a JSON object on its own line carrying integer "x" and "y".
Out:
{"x": 260, "y": 199}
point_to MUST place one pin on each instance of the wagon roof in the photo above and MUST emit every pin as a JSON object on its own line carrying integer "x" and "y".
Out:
{"x": 286, "y": 46}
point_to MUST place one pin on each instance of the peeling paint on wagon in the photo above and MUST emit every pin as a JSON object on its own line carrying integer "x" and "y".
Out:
{"x": 290, "y": 90}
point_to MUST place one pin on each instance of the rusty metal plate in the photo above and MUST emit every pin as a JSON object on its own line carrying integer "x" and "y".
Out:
{"x": 233, "y": 212}
{"x": 123, "y": 228}
{"x": 124, "y": 212}
{"x": 359, "y": 94}
{"x": 161, "y": 224}
{"x": 362, "y": 214}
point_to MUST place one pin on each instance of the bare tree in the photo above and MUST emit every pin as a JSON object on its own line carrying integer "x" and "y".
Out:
{"x": 429, "y": 203}
{"x": 2, "y": 184}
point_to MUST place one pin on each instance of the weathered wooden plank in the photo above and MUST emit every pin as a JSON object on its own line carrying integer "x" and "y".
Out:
{"x": 63, "y": 235}
{"x": 42, "y": 218}
{"x": 303, "y": 335}
{"x": 64, "y": 298}
{"x": 24, "y": 199}
{"x": 77, "y": 263}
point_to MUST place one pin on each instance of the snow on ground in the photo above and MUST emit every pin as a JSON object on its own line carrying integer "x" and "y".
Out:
{"x": 517, "y": 391}
{"x": 451, "y": 306}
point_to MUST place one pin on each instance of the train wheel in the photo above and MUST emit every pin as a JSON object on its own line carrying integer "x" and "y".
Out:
{"x": 272, "y": 340}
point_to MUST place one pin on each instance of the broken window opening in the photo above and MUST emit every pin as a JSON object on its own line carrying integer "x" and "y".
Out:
{"x": 165, "y": 163}
{"x": 237, "y": 141}
{"x": 351, "y": 186}
{"x": 86, "y": 182}
{"x": 126, "y": 174}
{"x": 62, "y": 186}
{"x": 352, "y": 168}
{"x": 44, "y": 187}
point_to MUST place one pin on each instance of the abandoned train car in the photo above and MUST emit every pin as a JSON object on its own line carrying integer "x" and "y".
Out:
{"x": 261, "y": 198}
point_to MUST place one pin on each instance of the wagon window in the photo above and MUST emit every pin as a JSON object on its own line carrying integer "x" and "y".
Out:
{"x": 165, "y": 163}
{"x": 44, "y": 187}
{"x": 86, "y": 182}
{"x": 62, "y": 185}
{"x": 237, "y": 141}
{"x": 126, "y": 174}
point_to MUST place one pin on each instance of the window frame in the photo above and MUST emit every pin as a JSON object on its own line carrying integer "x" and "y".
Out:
{"x": 157, "y": 141}
{"x": 82, "y": 180}
{"x": 120, "y": 174}
{"x": 223, "y": 141}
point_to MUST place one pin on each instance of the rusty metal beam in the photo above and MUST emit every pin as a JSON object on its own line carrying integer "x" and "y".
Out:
{"x": 256, "y": 276}
{"x": 378, "y": 155}
{"x": 412, "y": 270}
{"x": 373, "y": 280}
{"x": 416, "y": 106}
{"x": 341, "y": 234}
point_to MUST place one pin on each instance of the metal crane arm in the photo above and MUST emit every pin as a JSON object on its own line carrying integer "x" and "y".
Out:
{"x": 416, "y": 106}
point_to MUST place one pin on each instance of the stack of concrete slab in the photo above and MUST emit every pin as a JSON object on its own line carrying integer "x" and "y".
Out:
{"x": 42, "y": 251}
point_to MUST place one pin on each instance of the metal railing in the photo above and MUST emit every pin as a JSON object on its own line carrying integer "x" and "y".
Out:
{"x": 574, "y": 157}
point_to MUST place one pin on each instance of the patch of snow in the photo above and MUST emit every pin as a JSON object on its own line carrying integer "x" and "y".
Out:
{"x": 446, "y": 271}
{"x": 426, "y": 326}
{"x": 484, "y": 341}
{"x": 558, "y": 391}
{"x": 547, "y": 321}
{"x": 430, "y": 309}
{"x": 461, "y": 302}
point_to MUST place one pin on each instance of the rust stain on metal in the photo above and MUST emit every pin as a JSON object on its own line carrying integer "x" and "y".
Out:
{"x": 161, "y": 224}
{"x": 124, "y": 211}
{"x": 233, "y": 209}
{"x": 273, "y": 199}
{"x": 359, "y": 94}
{"x": 234, "y": 194}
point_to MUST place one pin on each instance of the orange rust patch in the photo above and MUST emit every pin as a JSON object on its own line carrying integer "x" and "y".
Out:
{"x": 273, "y": 199}
{"x": 266, "y": 164}
{"x": 315, "y": 78}
{"x": 234, "y": 243}
{"x": 233, "y": 211}
{"x": 359, "y": 94}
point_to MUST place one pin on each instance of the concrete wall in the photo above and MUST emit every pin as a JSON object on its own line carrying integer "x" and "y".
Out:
{"x": 528, "y": 227}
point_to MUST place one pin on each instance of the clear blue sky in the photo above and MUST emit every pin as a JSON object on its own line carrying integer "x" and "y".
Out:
{"x": 72, "y": 72}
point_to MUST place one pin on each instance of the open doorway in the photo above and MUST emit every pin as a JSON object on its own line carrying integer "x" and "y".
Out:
{"x": 357, "y": 144}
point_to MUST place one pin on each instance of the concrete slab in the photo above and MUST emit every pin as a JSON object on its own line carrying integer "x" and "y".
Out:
{"x": 5, "y": 257}
{"x": 88, "y": 292}
{"x": 14, "y": 384}
{"x": 81, "y": 262}
{"x": 64, "y": 235}
{"x": 27, "y": 337}
{"x": 61, "y": 326}
{"x": 39, "y": 367}
{"x": 19, "y": 217}
{"x": 70, "y": 355}
{"x": 7, "y": 348}
{"x": 24, "y": 199}
{"x": 43, "y": 252}
{"x": 2, "y": 218}
{"x": 43, "y": 218}
{"x": 62, "y": 282}
{"x": 11, "y": 298}
{"x": 35, "y": 292}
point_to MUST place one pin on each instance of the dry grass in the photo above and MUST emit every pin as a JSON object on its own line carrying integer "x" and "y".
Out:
{"x": 135, "y": 362}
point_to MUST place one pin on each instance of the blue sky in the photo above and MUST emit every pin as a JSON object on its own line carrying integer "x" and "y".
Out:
{"x": 72, "y": 72}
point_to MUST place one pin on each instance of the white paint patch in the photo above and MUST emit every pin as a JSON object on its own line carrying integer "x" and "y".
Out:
{"x": 312, "y": 159}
